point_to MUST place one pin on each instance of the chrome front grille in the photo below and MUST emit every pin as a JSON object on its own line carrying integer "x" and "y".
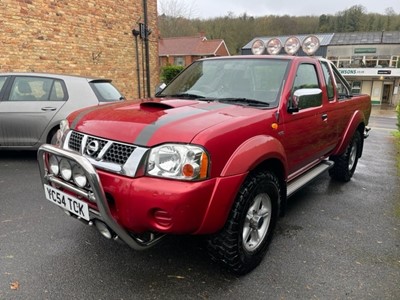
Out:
{"x": 118, "y": 153}
{"x": 105, "y": 154}
{"x": 75, "y": 141}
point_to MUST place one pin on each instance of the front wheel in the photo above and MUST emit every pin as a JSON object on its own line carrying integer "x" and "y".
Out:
{"x": 243, "y": 242}
{"x": 345, "y": 164}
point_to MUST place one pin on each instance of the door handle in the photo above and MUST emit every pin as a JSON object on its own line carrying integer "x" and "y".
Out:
{"x": 324, "y": 117}
{"x": 49, "y": 108}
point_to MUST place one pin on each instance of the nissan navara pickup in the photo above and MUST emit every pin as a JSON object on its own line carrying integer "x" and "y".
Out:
{"x": 217, "y": 153}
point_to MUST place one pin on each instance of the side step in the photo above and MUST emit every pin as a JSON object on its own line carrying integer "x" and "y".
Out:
{"x": 308, "y": 176}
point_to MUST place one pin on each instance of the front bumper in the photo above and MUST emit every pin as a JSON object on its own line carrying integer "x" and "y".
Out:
{"x": 131, "y": 207}
{"x": 97, "y": 194}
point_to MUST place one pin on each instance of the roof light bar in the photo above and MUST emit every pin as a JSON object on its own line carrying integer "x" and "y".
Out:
{"x": 292, "y": 45}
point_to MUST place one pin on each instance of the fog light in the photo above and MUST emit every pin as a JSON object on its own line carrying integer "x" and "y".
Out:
{"x": 65, "y": 169}
{"x": 79, "y": 176}
{"x": 103, "y": 229}
{"x": 53, "y": 165}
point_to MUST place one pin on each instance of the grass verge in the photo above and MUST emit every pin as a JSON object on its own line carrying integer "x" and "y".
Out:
{"x": 397, "y": 141}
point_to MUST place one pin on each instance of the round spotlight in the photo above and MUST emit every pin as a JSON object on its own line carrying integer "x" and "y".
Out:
{"x": 53, "y": 165}
{"x": 274, "y": 46}
{"x": 79, "y": 176}
{"x": 258, "y": 47}
{"x": 65, "y": 169}
{"x": 310, "y": 45}
{"x": 292, "y": 45}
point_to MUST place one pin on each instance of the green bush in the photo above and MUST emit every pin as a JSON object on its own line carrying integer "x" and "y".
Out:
{"x": 169, "y": 72}
{"x": 398, "y": 116}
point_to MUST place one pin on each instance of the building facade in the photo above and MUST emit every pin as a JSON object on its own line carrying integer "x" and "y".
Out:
{"x": 88, "y": 38}
{"x": 182, "y": 51}
{"x": 370, "y": 61}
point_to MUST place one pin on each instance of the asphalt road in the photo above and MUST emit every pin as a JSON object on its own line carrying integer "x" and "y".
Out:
{"x": 337, "y": 241}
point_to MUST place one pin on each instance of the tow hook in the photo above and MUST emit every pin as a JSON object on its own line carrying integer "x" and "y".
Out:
{"x": 366, "y": 132}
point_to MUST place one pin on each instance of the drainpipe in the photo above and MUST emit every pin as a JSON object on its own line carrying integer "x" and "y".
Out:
{"x": 146, "y": 47}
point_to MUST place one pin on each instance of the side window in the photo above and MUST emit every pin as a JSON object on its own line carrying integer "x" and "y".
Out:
{"x": 2, "y": 81}
{"x": 328, "y": 81}
{"x": 26, "y": 88}
{"x": 57, "y": 91}
{"x": 342, "y": 86}
{"x": 307, "y": 78}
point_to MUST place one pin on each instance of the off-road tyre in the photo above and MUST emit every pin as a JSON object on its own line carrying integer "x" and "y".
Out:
{"x": 345, "y": 164}
{"x": 254, "y": 214}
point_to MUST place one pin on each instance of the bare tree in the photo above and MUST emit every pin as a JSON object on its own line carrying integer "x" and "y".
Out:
{"x": 176, "y": 8}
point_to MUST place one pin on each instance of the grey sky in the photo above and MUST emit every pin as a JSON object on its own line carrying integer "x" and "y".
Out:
{"x": 215, "y": 8}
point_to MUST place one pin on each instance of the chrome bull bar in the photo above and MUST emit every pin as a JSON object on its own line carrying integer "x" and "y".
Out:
{"x": 97, "y": 195}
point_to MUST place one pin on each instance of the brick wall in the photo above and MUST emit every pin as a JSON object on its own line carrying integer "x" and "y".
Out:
{"x": 89, "y": 38}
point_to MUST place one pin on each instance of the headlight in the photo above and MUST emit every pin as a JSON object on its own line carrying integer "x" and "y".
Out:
{"x": 79, "y": 176}
{"x": 65, "y": 169}
{"x": 184, "y": 162}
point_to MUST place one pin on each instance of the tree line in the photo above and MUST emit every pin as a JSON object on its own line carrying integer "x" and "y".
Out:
{"x": 237, "y": 31}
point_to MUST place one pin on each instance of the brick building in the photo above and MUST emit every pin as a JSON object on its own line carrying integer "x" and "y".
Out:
{"x": 182, "y": 51}
{"x": 90, "y": 38}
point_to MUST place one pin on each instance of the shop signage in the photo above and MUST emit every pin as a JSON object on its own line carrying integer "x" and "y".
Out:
{"x": 365, "y": 50}
{"x": 384, "y": 72}
{"x": 369, "y": 72}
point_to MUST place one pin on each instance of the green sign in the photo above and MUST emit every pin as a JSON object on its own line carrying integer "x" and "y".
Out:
{"x": 365, "y": 50}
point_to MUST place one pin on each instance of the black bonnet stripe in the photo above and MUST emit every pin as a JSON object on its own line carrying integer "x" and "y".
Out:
{"x": 149, "y": 130}
{"x": 79, "y": 117}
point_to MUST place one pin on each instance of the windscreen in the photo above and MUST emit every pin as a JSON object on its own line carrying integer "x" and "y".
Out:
{"x": 257, "y": 79}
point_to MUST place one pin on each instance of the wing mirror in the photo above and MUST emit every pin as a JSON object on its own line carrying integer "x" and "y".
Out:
{"x": 305, "y": 98}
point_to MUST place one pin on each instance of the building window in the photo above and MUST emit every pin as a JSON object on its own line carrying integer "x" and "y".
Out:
{"x": 334, "y": 60}
{"x": 344, "y": 62}
{"x": 356, "y": 87}
{"x": 179, "y": 61}
{"x": 371, "y": 61}
{"x": 394, "y": 61}
{"x": 384, "y": 61}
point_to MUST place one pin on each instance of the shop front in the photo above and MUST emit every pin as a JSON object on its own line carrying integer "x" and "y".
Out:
{"x": 382, "y": 84}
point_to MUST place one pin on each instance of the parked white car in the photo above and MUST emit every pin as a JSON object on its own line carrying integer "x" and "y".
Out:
{"x": 33, "y": 104}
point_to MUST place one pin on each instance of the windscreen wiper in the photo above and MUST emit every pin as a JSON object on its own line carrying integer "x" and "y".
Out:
{"x": 185, "y": 96}
{"x": 244, "y": 101}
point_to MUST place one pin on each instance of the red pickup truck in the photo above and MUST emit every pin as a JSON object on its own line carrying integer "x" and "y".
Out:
{"x": 217, "y": 152}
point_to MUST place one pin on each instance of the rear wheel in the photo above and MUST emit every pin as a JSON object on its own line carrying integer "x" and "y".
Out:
{"x": 243, "y": 242}
{"x": 345, "y": 164}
